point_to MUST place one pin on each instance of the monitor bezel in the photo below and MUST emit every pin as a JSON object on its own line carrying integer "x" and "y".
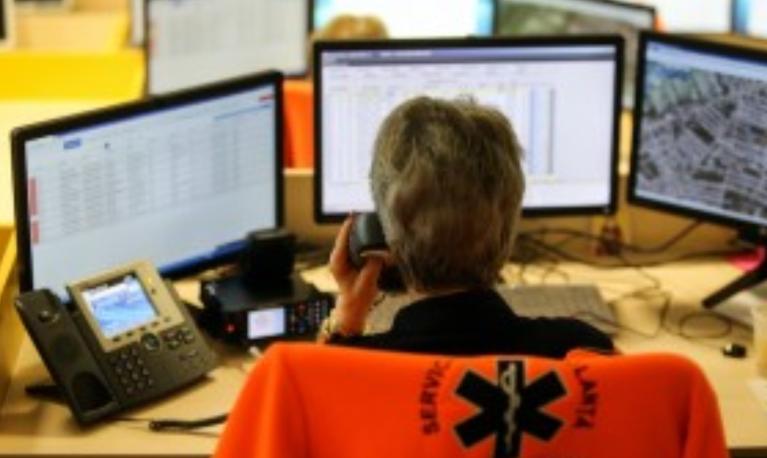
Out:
{"x": 147, "y": 48}
{"x": 322, "y": 217}
{"x": 493, "y": 18}
{"x": 7, "y": 40}
{"x": 694, "y": 44}
{"x": 633, "y": 6}
{"x": 21, "y": 135}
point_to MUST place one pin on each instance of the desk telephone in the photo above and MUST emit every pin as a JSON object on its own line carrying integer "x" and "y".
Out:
{"x": 124, "y": 340}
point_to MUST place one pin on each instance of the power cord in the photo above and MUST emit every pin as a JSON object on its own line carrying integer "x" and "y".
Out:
{"x": 557, "y": 250}
{"x": 162, "y": 425}
{"x": 186, "y": 425}
{"x": 652, "y": 291}
{"x": 660, "y": 248}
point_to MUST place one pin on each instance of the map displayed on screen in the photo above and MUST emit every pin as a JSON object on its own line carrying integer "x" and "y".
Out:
{"x": 703, "y": 136}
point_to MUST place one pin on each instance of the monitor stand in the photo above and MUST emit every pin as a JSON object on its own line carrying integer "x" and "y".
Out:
{"x": 746, "y": 281}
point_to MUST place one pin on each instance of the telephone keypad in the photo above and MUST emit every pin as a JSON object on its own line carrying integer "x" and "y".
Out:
{"x": 129, "y": 363}
{"x": 131, "y": 370}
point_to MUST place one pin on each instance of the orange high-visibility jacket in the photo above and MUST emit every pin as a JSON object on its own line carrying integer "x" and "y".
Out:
{"x": 309, "y": 400}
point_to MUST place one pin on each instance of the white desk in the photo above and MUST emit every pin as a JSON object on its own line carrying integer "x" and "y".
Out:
{"x": 29, "y": 427}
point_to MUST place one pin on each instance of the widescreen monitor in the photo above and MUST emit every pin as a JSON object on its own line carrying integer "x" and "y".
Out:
{"x": 192, "y": 42}
{"x": 178, "y": 180}
{"x": 750, "y": 17}
{"x": 574, "y": 17}
{"x": 415, "y": 19}
{"x": 700, "y": 138}
{"x": 700, "y": 130}
{"x": 561, "y": 95}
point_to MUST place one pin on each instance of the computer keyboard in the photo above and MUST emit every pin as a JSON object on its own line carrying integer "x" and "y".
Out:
{"x": 581, "y": 301}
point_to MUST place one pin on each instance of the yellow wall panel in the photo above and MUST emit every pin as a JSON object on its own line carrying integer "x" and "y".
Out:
{"x": 10, "y": 326}
{"x": 56, "y": 76}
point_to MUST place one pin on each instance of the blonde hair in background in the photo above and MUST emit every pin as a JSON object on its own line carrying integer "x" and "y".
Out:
{"x": 350, "y": 27}
{"x": 347, "y": 27}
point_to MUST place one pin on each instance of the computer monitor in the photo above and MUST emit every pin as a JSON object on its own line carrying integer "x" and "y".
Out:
{"x": 573, "y": 17}
{"x": 750, "y": 17}
{"x": 693, "y": 16}
{"x": 192, "y": 42}
{"x": 178, "y": 180}
{"x": 561, "y": 94}
{"x": 415, "y": 19}
{"x": 700, "y": 133}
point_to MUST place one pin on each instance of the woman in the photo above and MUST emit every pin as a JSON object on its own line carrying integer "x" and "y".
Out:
{"x": 447, "y": 186}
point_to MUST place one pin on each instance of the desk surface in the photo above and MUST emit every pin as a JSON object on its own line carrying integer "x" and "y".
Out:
{"x": 32, "y": 427}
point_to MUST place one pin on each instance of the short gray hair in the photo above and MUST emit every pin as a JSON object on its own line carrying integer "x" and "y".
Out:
{"x": 447, "y": 185}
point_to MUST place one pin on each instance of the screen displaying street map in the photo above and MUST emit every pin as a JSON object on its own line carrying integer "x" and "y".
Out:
{"x": 703, "y": 138}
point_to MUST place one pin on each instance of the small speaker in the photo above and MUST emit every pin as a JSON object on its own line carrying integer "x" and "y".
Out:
{"x": 267, "y": 257}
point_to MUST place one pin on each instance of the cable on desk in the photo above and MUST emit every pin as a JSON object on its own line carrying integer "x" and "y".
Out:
{"x": 186, "y": 425}
{"x": 660, "y": 248}
{"x": 646, "y": 293}
{"x": 557, "y": 250}
{"x": 526, "y": 256}
{"x": 701, "y": 314}
{"x": 176, "y": 424}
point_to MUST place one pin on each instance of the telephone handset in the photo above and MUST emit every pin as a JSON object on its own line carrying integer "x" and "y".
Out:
{"x": 124, "y": 339}
{"x": 367, "y": 238}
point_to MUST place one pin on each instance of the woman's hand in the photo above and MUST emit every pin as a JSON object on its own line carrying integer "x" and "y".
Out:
{"x": 357, "y": 289}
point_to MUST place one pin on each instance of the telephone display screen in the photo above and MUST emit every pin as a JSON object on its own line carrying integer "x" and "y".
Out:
{"x": 266, "y": 323}
{"x": 119, "y": 305}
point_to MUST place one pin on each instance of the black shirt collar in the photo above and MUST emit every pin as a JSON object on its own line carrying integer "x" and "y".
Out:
{"x": 465, "y": 312}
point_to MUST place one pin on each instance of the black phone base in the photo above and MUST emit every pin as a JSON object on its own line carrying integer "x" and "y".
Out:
{"x": 50, "y": 392}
